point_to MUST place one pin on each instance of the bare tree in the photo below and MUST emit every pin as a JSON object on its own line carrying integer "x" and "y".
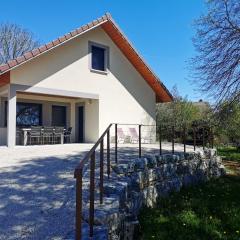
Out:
{"x": 15, "y": 41}
{"x": 216, "y": 66}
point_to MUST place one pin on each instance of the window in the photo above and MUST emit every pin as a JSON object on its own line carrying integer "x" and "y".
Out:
{"x": 28, "y": 114}
{"x": 99, "y": 57}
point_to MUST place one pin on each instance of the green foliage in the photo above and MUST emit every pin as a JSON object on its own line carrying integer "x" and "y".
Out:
{"x": 179, "y": 113}
{"x": 229, "y": 153}
{"x": 227, "y": 118}
{"x": 224, "y": 121}
{"x": 209, "y": 211}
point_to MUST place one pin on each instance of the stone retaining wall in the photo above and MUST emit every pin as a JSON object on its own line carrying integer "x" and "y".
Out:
{"x": 141, "y": 182}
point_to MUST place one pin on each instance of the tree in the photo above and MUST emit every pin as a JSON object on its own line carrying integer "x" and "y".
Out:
{"x": 15, "y": 41}
{"x": 179, "y": 113}
{"x": 227, "y": 119}
{"x": 216, "y": 66}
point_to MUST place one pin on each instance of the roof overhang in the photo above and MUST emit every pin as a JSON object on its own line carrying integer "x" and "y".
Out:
{"x": 117, "y": 36}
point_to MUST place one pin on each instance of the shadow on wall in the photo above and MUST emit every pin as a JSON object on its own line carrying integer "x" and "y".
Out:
{"x": 38, "y": 198}
{"x": 140, "y": 94}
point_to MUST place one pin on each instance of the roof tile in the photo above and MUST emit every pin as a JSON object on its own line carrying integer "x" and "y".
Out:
{"x": 104, "y": 17}
{"x": 79, "y": 30}
{"x": 20, "y": 59}
{"x": 28, "y": 55}
{"x": 12, "y": 63}
{"x": 85, "y": 27}
{"x": 68, "y": 35}
{"x": 90, "y": 25}
{"x": 49, "y": 45}
{"x": 35, "y": 52}
{"x": 62, "y": 39}
{"x": 4, "y": 67}
{"x": 43, "y": 48}
{"x": 95, "y": 22}
{"x": 55, "y": 42}
{"x": 74, "y": 33}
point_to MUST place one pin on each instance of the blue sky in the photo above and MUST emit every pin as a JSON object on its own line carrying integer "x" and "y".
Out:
{"x": 160, "y": 30}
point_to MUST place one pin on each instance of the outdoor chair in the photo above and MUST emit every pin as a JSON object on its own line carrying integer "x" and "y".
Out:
{"x": 48, "y": 133}
{"x": 58, "y": 134}
{"x": 35, "y": 135}
{"x": 67, "y": 135}
{"x": 121, "y": 136}
{"x": 135, "y": 137}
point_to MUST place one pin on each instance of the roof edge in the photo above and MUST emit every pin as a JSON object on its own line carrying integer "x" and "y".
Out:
{"x": 158, "y": 81}
{"x": 26, "y": 57}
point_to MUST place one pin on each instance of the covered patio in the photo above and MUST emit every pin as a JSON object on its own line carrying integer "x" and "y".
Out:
{"x": 73, "y": 115}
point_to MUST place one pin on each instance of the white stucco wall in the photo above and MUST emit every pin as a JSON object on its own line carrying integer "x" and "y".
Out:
{"x": 124, "y": 96}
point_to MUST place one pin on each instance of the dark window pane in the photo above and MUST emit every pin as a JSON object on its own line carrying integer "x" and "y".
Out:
{"x": 98, "y": 58}
{"x": 29, "y": 114}
{"x": 59, "y": 116}
{"x": 5, "y": 113}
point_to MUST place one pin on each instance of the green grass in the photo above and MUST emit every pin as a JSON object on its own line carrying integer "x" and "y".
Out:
{"x": 209, "y": 211}
{"x": 229, "y": 153}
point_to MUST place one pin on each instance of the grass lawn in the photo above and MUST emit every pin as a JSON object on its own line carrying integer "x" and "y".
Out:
{"x": 209, "y": 211}
{"x": 229, "y": 153}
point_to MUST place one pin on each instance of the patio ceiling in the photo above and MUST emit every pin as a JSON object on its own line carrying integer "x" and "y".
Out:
{"x": 29, "y": 90}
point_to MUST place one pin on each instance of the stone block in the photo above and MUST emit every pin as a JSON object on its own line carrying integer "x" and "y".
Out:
{"x": 150, "y": 196}
{"x": 134, "y": 203}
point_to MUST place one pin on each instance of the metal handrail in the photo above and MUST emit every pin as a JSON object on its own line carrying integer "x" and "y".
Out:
{"x": 86, "y": 158}
{"x": 78, "y": 173}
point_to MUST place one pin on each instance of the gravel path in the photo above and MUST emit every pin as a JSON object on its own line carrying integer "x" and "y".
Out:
{"x": 37, "y": 189}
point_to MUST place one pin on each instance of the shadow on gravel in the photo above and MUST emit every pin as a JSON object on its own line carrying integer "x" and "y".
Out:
{"x": 37, "y": 198}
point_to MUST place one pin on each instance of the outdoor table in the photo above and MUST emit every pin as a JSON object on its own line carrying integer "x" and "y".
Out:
{"x": 27, "y": 130}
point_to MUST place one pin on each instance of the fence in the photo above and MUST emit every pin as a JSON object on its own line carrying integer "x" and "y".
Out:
{"x": 198, "y": 135}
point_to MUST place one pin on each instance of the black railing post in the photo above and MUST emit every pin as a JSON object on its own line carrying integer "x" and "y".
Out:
{"x": 173, "y": 136}
{"x": 108, "y": 154}
{"x": 140, "y": 140}
{"x": 92, "y": 192}
{"x": 194, "y": 138}
{"x": 116, "y": 144}
{"x": 78, "y": 222}
{"x": 184, "y": 139}
{"x": 160, "y": 140}
{"x": 203, "y": 137}
{"x": 101, "y": 171}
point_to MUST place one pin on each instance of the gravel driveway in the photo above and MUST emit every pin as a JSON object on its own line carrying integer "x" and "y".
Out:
{"x": 37, "y": 189}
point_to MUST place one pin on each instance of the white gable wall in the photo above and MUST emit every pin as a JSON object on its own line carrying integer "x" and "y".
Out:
{"x": 124, "y": 96}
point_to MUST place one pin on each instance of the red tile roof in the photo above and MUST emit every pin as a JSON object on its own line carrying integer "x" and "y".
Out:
{"x": 111, "y": 28}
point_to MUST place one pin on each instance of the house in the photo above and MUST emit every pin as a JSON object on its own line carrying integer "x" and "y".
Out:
{"x": 85, "y": 79}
